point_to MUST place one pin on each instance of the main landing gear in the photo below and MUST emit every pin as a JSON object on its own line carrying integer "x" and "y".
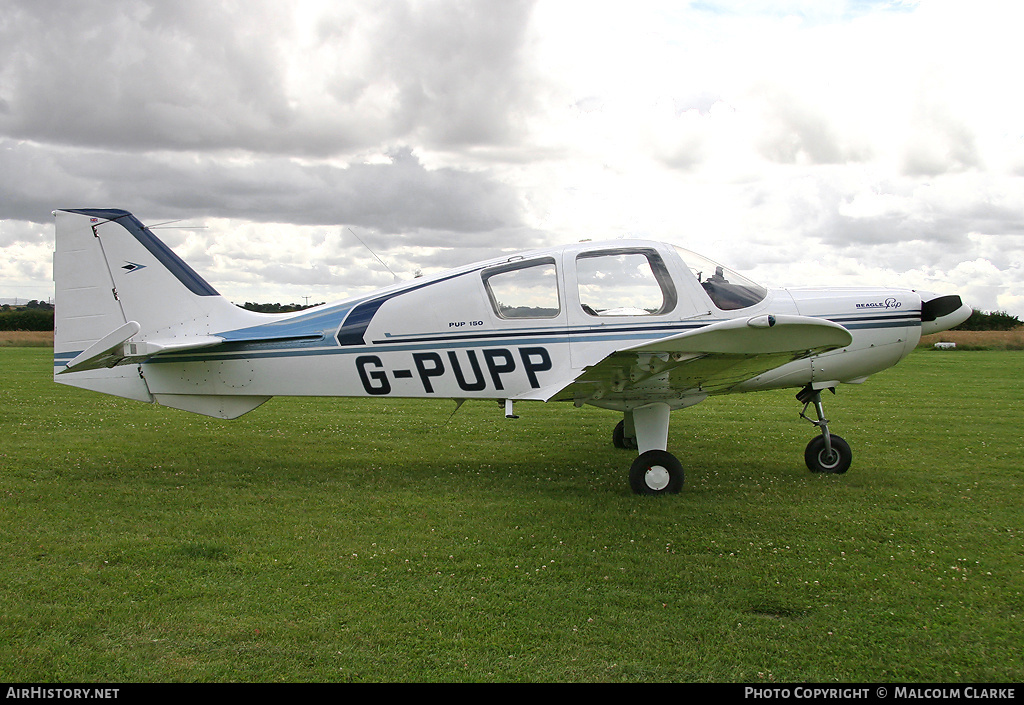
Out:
{"x": 827, "y": 452}
{"x": 656, "y": 471}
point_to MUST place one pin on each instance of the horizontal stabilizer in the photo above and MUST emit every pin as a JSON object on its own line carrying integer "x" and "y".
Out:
{"x": 105, "y": 352}
{"x": 145, "y": 349}
{"x": 115, "y": 349}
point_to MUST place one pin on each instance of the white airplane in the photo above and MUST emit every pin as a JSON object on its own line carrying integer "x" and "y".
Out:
{"x": 642, "y": 328}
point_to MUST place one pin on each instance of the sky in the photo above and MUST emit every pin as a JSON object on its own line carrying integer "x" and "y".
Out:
{"x": 285, "y": 146}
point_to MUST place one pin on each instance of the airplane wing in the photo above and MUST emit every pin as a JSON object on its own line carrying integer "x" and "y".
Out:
{"x": 708, "y": 360}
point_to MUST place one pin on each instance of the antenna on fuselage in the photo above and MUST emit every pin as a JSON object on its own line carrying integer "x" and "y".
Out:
{"x": 385, "y": 264}
{"x": 168, "y": 224}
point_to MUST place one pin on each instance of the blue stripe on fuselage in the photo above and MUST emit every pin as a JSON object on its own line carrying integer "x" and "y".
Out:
{"x": 317, "y": 324}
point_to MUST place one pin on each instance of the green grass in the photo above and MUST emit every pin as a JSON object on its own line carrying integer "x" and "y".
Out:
{"x": 352, "y": 540}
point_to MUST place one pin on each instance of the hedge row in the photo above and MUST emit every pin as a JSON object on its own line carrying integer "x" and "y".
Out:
{"x": 26, "y": 319}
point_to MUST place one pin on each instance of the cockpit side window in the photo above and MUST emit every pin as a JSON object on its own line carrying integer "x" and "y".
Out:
{"x": 728, "y": 290}
{"x": 624, "y": 282}
{"x": 524, "y": 289}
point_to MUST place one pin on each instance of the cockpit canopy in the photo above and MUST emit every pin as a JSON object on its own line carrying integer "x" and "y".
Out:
{"x": 728, "y": 290}
{"x": 621, "y": 280}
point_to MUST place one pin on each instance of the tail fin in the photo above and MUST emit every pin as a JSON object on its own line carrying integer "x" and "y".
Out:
{"x": 116, "y": 282}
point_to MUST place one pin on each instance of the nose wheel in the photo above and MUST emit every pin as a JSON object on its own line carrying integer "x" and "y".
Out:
{"x": 835, "y": 460}
{"x": 827, "y": 452}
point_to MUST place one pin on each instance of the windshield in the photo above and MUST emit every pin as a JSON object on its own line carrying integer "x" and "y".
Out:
{"x": 728, "y": 290}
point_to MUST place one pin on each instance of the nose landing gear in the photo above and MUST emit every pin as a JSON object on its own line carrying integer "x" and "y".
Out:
{"x": 827, "y": 452}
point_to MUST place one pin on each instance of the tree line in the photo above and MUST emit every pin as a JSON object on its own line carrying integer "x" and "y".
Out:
{"x": 277, "y": 308}
{"x": 997, "y": 320}
{"x": 35, "y": 315}
{"x": 38, "y": 315}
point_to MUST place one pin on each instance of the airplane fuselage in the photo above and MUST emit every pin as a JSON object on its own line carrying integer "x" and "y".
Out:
{"x": 636, "y": 326}
{"x": 449, "y": 337}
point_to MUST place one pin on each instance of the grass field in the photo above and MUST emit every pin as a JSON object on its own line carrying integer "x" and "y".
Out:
{"x": 350, "y": 540}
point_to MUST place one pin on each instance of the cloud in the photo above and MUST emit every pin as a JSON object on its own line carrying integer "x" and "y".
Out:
{"x": 324, "y": 80}
{"x": 938, "y": 144}
{"x": 796, "y": 132}
{"x": 877, "y": 138}
{"x": 396, "y": 196}
{"x": 139, "y": 75}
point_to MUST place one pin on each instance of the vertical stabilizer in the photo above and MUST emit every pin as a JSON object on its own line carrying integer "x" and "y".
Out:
{"x": 114, "y": 278}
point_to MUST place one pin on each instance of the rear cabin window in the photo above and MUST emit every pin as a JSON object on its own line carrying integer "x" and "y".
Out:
{"x": 524, "y": 289}
{"x": 624, "y": 283}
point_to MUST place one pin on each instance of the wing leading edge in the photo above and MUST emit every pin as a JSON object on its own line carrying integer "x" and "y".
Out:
{"x": 697, "y": 363}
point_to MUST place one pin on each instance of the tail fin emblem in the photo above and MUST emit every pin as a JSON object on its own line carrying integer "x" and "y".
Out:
{"x": 133, "y": 267}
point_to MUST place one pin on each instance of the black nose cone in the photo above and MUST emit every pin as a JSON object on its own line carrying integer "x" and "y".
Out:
{"x": 939, "y": 307}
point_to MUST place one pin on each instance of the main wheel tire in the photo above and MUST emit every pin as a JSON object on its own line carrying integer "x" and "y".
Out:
{"x": 656, "y": 472}
{"x": 619, "y": 437}
{"x": 819, "y": 460}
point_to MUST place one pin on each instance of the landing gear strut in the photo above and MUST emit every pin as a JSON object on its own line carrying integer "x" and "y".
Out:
{"x": 655, "y": 471}
{"x": 624, "y": 434}
{"x": 827, "y": 452}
